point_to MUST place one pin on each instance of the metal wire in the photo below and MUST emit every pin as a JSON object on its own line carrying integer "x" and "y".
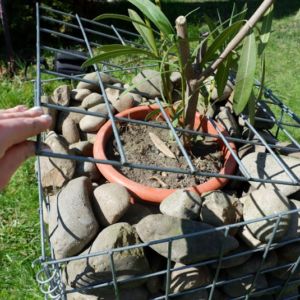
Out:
{"x": 50, "y": 275}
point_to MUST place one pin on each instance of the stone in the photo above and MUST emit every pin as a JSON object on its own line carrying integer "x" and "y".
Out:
{"x": 93, "y": 123}
{"x": 248, "y": 148}
{"x": 111, "y": 201}
{"x": 135, "y": 213}
{"x": 61, "y": 95}
{"x": 120, "y": 104}
{"x": 92, "y": 100}
{"x": 151, "y": 86}
{"x": 264, "y": 166}
{"x": 214, "y": 95}
{"x": 88, "y": 169}
{"x": 49, "y": 111}
{"x": 138, "y": 99}
{"x": 240, "y": 255}
{"x": 247, "y": 237}
{"x": 264, "y": 203}
{"x": 294, "y": 229}
{"x": 70, "y": 131}
{"x": 220, "y": 209}
{"x": 226, "y": 120}
{"x": 182, "y": 204}
{"x": 72, "y": 224}
{"x": 96, "y": 269}
{"x": 140, "y": 293}
{"x": 262, "y": 113}
{"x": 94, "y": 86}
{"x": 80, "y": 94}
{"x": 287, "y": 149}
{"x": 194, "y": 295}
{"x": 56, "y": 172}
{"x": 252, "y": 265}
{"x": 83, "y": 148}
{"x": 63, "y": 115}
{"x": 176, "y": 80}
{"x": 186, "y": 277}
{"x": 274, "y": 282}
{"x": 241, "y": 287}
{"x": 184, "y": 250}
{"x": 285, "y": 269}
{"x": 290, "y": 251}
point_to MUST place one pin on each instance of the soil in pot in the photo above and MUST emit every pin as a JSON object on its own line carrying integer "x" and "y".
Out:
{"x": 205, "y": 155}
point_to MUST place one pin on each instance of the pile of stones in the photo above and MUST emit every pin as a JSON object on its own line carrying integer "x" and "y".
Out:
{"x": 86, "y": 215}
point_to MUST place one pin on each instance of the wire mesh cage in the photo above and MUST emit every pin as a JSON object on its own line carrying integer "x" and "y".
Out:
{"x": 183, "y": 259}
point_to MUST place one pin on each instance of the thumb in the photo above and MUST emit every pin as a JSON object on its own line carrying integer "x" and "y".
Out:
{"x": 13, "y": 158}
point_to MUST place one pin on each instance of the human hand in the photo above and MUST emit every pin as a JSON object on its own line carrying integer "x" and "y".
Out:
{"x": 16, "y": 126}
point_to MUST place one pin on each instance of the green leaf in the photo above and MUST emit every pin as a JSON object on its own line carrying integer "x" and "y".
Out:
{"x": 222, "y": 75}
{"x": 155, "y": 112}
{"x": 155, "y": 15}
{"x": 218, "y": 42}
{"x": 265, "y": 29}
{"x": 245, "y": 74}
{"x": 121, "y": 50}
{"x": 233, "y": 13}
{"x": 212, "y": 26}
{"x": 142, "y": 30}
{"x": 236, "y": 18}
{"x": 262, "y": 76}
{"x": 251, "y": 108}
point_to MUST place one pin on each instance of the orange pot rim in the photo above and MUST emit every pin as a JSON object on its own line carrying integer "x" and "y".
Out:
{"x": 152, "y": 195}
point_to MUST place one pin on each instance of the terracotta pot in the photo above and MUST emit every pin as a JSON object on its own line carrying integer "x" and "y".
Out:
{"x": 156, "y": 195}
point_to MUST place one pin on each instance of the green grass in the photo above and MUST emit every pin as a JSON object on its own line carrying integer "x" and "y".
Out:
{"x": 19, "y": 223}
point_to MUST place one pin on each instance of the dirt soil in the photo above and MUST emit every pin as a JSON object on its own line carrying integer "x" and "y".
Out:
{"x": 139, "y": 149}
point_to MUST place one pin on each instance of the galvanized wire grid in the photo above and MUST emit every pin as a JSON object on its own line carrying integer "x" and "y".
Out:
{"x": 50, "y": 276}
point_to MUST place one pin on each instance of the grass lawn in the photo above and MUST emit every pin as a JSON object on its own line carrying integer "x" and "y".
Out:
{"x": 19, "y": 223}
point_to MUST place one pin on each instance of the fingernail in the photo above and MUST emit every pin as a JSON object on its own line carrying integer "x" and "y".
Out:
{"x": 46, "y": 117}
{"x": 36, "y": 108}
{"x": 46, "y": 148}
{"x": 22, "y": 107}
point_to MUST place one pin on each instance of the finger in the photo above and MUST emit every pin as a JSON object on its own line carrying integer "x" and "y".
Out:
{"x": 13, "y": 158}
{"x": 18, "y": 108}
{"x": 31, "y": 113}
{"x": 15, "y": 131}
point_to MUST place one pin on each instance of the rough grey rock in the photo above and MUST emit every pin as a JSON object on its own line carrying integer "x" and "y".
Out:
{"x": 285, "y": 151}
{"x": 83, "y": 148}
{"x": 182, "y": 204}
{"x": 250, "y": 148}
{"x": 93, "y": 123}
{"x": 241, "y": 287}
{"x": 252, "y": 265}
{"x": 264, "y": 165}
{"x": 176, "y": 80}
{"x": 283, "y": 273}
{"x": 186, "y": 278}
{"x": 195, "y": 295}
{"x": 63, "y": 115}
{"x": 184, "y": 250}
{"x": 247, "y": 237}
{"x": 219, "y": 209}
{"x": 88, "y": 169}
{"x": 95, "y": 87}
{"x": 273, "y": 282}
{"x": 79, "y": 94}
{"x": 92, "y": 100}
{"x": 135, "y": 213}
{"x": 70, "y": 131}
{"x": 56, "y": 172}
{"x": 290, "y": 251}
{"x": 120, "y": 104}
{"x": 140, "y": 293}
{"x": 242, "y": 250}
{"x": 263, "y": 203}
{"x": 49, "y": 111}
{"x": 294, "y": 229}
{"x": 61, "y": 95}
{"x": 72, "y": 224}
{"x": 226, "y": 119}
{"x": 151, "y": 86}
{"x": 97, "y": 269}
{"x": 214, "y": 95}
{"x": 260, "y": 113}
{"x": 111, "y": 201}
